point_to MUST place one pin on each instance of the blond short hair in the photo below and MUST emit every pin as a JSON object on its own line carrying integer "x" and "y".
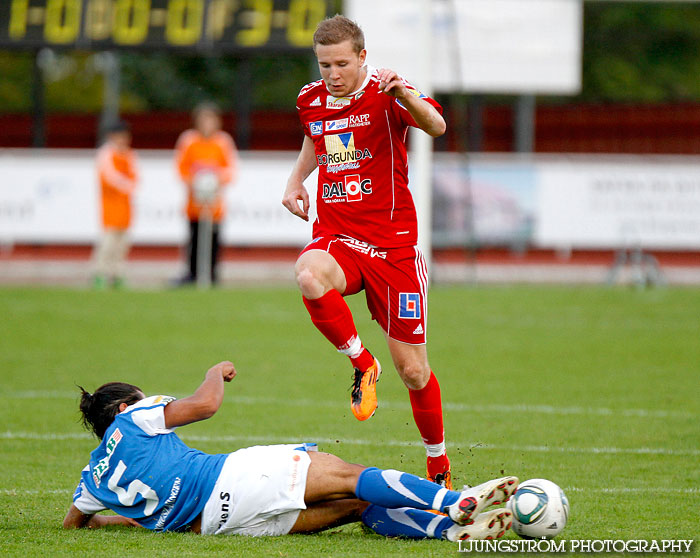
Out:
{"x": 337, "y": 29}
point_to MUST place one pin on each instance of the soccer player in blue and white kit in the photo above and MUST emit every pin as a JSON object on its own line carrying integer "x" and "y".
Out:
{"x": 143, "y": 471}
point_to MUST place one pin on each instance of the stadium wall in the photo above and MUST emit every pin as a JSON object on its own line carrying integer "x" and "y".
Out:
{"x": 580, "y": 128}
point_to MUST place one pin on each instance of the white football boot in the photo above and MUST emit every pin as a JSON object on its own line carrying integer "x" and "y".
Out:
{"x": 492, "y": 524}
{"x": 474, "y": 500}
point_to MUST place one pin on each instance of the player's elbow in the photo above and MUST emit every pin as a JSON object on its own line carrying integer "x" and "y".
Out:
{"x": 438, "y": 128}
{"x": 207, "y": 407}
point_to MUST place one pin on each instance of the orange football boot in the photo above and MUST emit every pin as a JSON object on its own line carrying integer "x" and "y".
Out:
{"x": 363, "y": 399}
{"x": 443, "y": 479}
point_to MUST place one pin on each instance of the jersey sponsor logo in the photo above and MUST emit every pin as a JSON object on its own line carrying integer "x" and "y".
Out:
{"x": 316, "y": 128}
{"x": 103, "y": 464}
{"x": 316, "y": 102}
{"x": 337, "y": 102}
{"x": 409, "y": 306}
{"x": 168, "y": 505}
{"x": 350, "y": 189}
{"x": 333, "y": 125}
{"x": 359, "y": 120}
{"x": 341, "y": 153}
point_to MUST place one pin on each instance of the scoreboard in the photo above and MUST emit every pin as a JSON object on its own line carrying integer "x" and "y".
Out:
{"x": 232, "y": 26}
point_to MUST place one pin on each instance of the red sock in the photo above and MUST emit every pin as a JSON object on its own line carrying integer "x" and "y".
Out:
{"x": 427, "y": 412}
{"x": 331, "y": 315}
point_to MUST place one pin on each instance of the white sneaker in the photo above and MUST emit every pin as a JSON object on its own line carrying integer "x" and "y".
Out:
{"x": 472, "y": 501}
{"x": 492, "y": 524}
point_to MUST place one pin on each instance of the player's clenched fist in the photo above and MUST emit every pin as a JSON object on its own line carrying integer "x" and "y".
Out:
{"x": 226, "y": 369}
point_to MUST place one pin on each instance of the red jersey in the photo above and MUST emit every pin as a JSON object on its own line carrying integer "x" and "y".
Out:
{"x": 360, "y": 145}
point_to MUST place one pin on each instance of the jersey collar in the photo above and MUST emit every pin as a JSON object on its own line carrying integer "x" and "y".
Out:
{"x": 370, "y": 70}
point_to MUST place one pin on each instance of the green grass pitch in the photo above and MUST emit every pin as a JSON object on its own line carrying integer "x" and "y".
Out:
{"x": 593, "y": 388}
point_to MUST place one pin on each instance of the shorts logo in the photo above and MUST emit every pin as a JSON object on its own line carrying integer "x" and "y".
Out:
{"x": 337, "y": 102}
{"x": 225, "y": 500}
{"x": 363, "y": 248}
{"x": 333, "y": 125}
{"x": 316, "y": 128}
{"x": 409, "y": 306}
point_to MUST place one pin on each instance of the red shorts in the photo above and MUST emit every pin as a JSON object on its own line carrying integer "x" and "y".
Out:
{"x": 395, "y": 282}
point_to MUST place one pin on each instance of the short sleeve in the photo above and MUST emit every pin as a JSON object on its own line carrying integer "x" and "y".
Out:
{"x": 304, "y": 125}
{"x": 148, "y": 414}
{"x": 86, "y": 502}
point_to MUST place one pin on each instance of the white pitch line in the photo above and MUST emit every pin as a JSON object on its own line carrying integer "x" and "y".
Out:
{"x": 634, "y": 490}
{"x": 33, "y": 491}
{"x": 403, "y": 405}
{"x": 8, "y": 435}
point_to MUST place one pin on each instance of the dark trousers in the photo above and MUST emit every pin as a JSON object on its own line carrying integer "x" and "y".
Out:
{"x": 192, "y": 250}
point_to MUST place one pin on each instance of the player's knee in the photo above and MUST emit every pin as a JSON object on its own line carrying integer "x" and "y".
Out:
{"x": 309, "y": 282}
{"x": 414, "y": 376}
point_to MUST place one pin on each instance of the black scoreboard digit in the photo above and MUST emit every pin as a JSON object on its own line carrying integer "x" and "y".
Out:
{"x": 219, "y": 25}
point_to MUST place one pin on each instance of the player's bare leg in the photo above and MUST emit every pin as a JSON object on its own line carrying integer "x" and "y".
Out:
{"x": 411, "y": 362}
{"x": 317, "y": 272}
{"x": 322, "y": 283}
{"x": 326, "y": 515}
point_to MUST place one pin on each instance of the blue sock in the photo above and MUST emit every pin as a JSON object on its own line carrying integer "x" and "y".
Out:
{"x": 393, "y": 489}
{"x": 405, "y": 522}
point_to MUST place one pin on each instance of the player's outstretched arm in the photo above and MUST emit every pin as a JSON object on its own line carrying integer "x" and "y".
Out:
{"x": 295, "y": 191}
{"x": 75, "y": 519}
{"x": 204, "y": 402}
{"x": 426, "y": 116}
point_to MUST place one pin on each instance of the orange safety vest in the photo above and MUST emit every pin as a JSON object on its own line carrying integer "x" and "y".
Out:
{"x": 195, "y": 153}
{"x": 118, "y": 177}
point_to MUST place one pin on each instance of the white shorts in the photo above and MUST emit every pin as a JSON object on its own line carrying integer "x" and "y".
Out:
{"x": 259, "y": 492}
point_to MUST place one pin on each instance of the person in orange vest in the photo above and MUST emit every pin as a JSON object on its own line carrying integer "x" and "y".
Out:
{"x": 207, "y": 160}
{"x": 118, "y": 177}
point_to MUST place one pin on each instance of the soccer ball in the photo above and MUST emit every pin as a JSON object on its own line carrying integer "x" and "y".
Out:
{"x": 540, "y": 509}
{"x": 205, "y": 187}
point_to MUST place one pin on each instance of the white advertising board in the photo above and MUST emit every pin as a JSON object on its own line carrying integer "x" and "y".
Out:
{"x": 602, "y": 202}
{"x": 483, "y": 46}
{"x": 51, "y": 196}
{"x": 650, "y": 202}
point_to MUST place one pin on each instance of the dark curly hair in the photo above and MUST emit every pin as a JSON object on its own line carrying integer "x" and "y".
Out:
{"x": 100, "y": 408}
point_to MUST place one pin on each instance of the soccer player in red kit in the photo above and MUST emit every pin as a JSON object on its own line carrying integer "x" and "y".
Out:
{"x": 355, "y": 122}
